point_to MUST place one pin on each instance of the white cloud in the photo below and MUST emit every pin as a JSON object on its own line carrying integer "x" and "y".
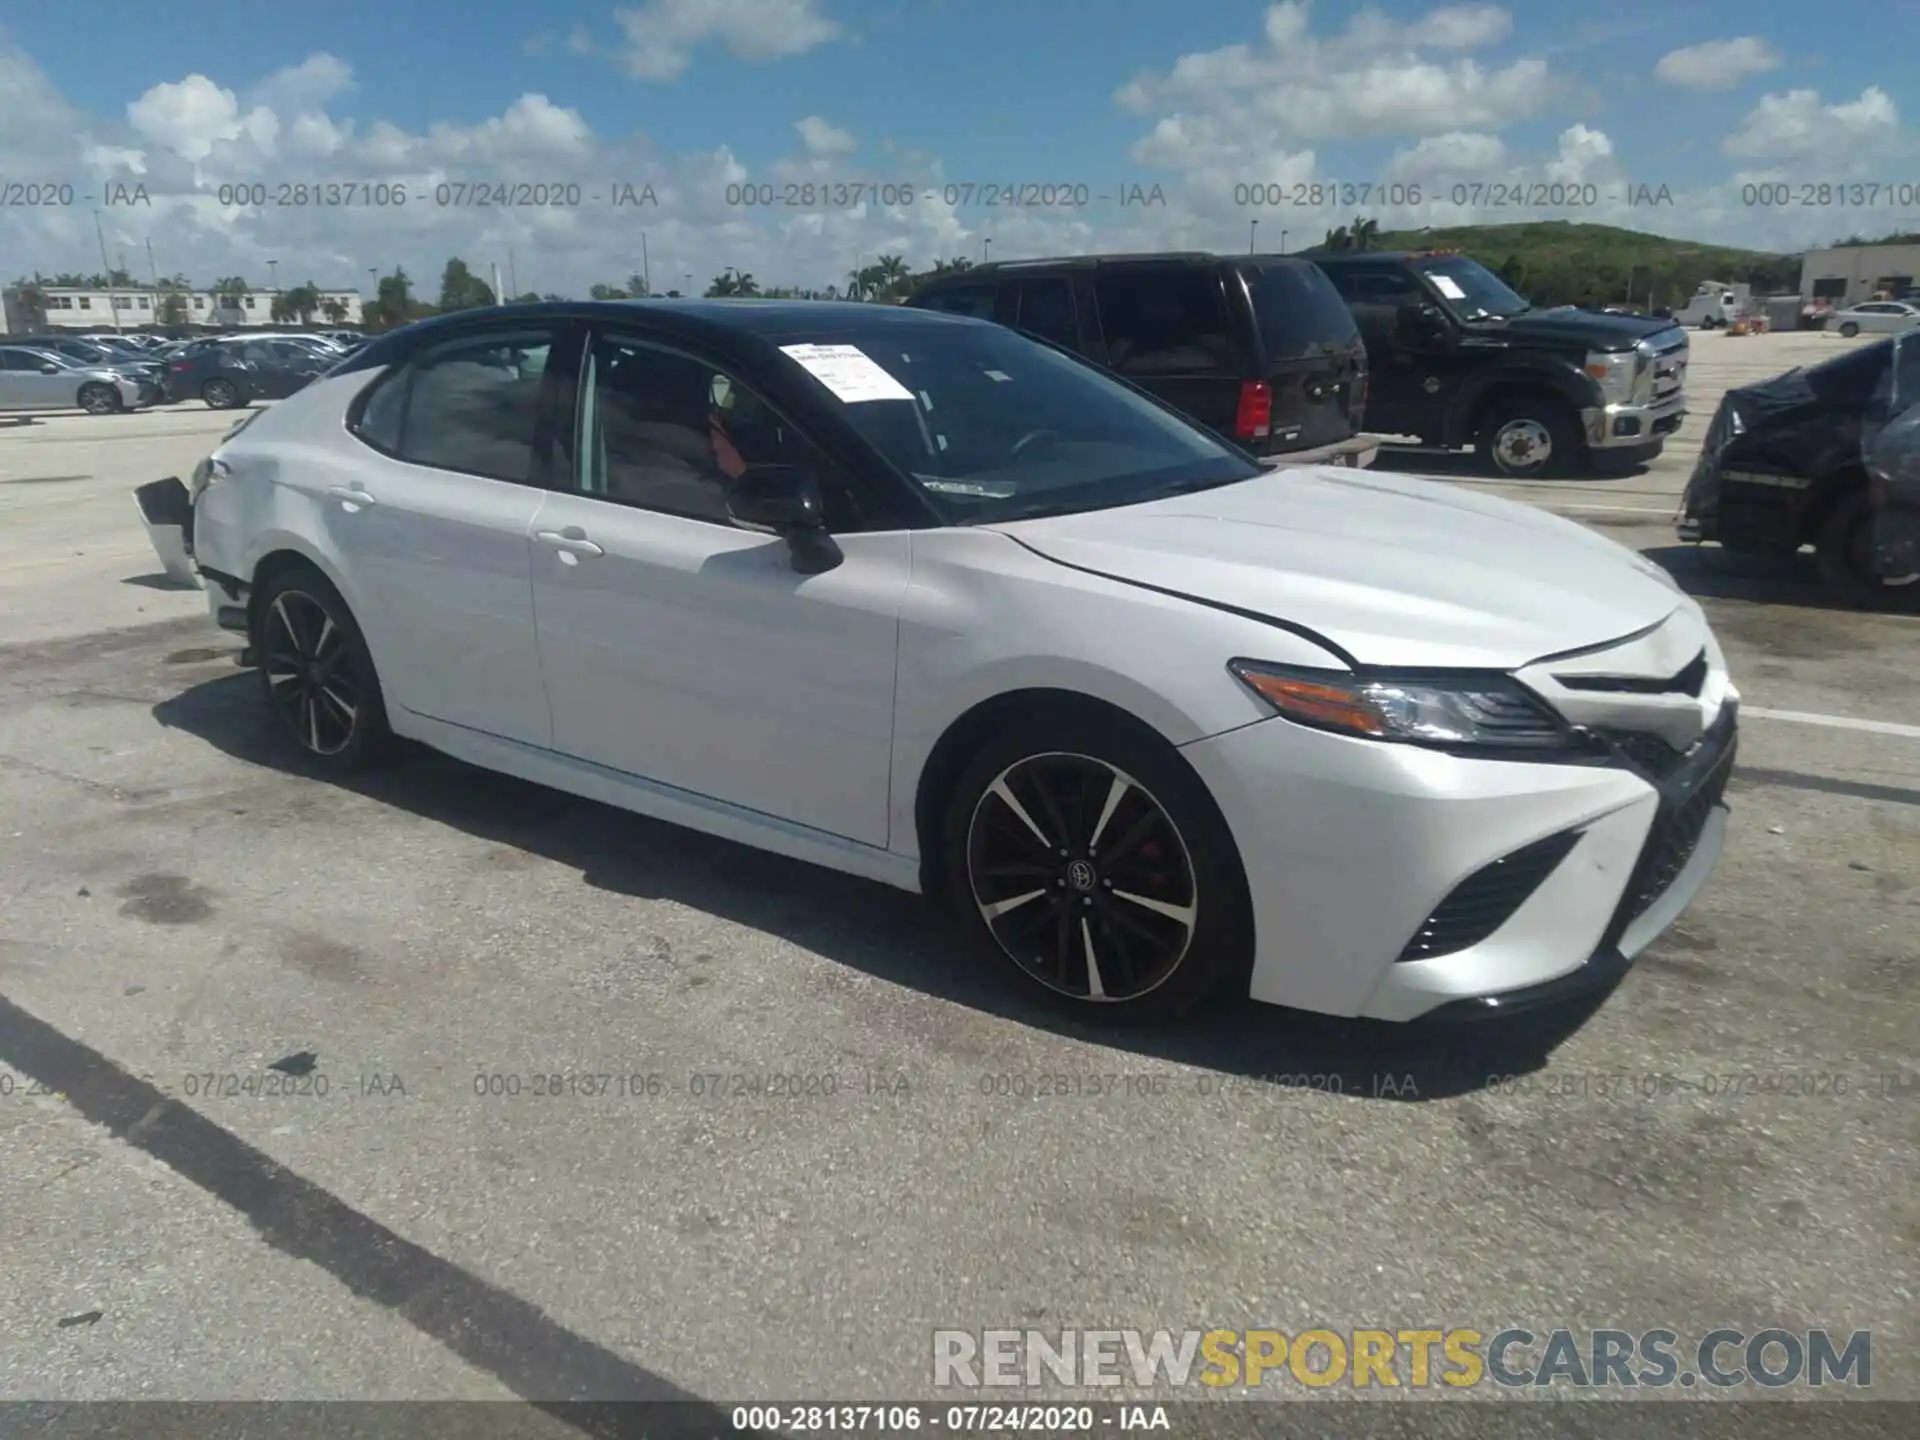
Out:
{"x": 822, "y": 138}
{"x": 1458, "y": 152}
{"x": 307, "y": 88}
{"x": 1717, "y": 64}
{"x": 1796, "y": 125}
{"x": 188, "y": 118}
{"x": 662, "y": 35}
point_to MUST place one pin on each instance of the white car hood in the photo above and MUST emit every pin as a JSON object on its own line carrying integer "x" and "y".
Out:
{"x": 1395, "y": 570}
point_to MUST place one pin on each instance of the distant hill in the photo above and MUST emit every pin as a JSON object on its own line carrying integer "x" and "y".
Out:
{"x": 1563, "y": 262}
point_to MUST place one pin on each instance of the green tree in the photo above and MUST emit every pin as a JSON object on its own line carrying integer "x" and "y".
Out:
{"x": 392, "y": 302}
{"x": 335, "y": 309}
{"x": 230, "y": 290}
{"x": 606, "y": 292}
{"x": 637, "y": 287}
{"x": 528, "y": 298}
{"x": 461, "y": 289}
{"x": 32, "y": 299}
{"x": 733, "y": 284}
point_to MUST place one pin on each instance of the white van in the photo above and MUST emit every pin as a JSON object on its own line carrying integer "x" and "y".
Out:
{"x": 1714, "y": 304}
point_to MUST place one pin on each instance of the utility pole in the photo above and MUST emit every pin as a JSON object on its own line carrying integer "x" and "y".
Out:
{"x": 512, "y": 283}
{"x": 1253, "y": 238}
{"x": 113, "y": 298}
{"x": 646, "y": 265}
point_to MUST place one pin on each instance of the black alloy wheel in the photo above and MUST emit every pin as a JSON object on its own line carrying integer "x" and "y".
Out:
{"x": 1082, "y": 878}
{"x": 318, "y": 677}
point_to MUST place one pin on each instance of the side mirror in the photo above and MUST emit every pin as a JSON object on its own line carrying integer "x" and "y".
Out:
{"x": 49, "y": 368}
{"x": 1419, "y": 325}
{"x": 785, "y": 500}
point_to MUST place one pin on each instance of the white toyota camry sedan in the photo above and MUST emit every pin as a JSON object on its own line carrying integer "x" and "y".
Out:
{"x": 916, "y": 597}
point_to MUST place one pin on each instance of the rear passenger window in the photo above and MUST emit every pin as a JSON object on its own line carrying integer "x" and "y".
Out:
{"x": 1299, "y": 311}
{"x": 974, "y": 300}
{"x": 1046, "y": 309}
{"x": 474, "y": 406}
{"x": 1169, "y": 321}
{"x": 385, "y": 407}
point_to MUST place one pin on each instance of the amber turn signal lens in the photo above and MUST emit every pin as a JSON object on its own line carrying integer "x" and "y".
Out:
{"x": 1317, "y": 703}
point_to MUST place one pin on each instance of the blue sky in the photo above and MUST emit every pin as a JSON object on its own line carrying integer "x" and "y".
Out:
{"x": 697, "y": 93}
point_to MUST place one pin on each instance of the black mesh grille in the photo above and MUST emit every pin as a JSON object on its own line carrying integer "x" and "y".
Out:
{"x": 1486, "y": 899}
{"x": 1672, "y": 840}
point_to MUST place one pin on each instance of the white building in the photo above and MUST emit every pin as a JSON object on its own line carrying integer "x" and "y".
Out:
{"x": 69, "y": 308}
{"x": 1848, "y": 274}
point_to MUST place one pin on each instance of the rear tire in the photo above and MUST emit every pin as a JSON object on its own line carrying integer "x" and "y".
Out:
{"x": 1528, "y": 437}
{"x": 316, "y": 673}
{"x": 1844, "y": 554}
{"x": 1087, "y": 857}
{"x": 221, "y": 395}
{"x": 1849, "y": 330}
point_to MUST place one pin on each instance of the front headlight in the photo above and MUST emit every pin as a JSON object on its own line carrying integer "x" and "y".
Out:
{"x": 1615, "y": 373}
{"x": 206, "y": 473}
{"x": 1483, "y": 710}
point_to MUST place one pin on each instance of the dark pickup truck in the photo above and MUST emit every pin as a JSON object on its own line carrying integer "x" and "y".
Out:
{"x": 1458, "y": 359}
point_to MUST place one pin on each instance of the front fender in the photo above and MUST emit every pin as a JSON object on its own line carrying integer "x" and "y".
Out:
{"x": 1571, "y": 384}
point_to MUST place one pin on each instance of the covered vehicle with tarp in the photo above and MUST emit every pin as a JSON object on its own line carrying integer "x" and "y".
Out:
{"x": 1827, "y": 455}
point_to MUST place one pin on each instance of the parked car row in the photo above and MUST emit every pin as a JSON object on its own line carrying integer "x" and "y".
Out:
{"x": 1290, "y": 354}
{"x": 104, "y": 375}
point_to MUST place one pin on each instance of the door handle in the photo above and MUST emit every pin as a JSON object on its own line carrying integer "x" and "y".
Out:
{"x": 569, "y": 541}
{"x": 352, "y": 495}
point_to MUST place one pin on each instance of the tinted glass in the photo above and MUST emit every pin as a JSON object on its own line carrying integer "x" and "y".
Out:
{"x": 974, "y": 300}
{"x": 1165, "y": 321}
{"x": 474, "y": 406}
{"x": 1299, "y": 312}
{"x": 1046, "y": 308}
{"x": 991, "y": 426}
{"x": 1382, "y": 287}
{"x": 380, "y": 417}
{"x": 670, "y": 433}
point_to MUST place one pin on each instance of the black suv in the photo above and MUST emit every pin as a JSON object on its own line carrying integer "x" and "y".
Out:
{"x": 1259, "y": 348}
{"x": 1457, "y": 358}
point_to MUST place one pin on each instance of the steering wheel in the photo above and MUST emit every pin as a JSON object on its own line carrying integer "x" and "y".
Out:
{"x": 1033, "y": 437}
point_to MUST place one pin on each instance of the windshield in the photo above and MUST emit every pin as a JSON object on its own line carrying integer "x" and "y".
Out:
{"x": 1472, "y": 291}
{"x": 993, "y": 426}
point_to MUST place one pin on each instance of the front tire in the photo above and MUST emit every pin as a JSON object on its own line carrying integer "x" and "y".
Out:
{"x": 1849, "y": 330}
{"x": 99, "y": 399}
{"x": 1089, "y": 857}
{"x": 316, "y": 673}
{"x": 1528, "y": 437}
{"x": 220, "y": 395}
{"x": 1844, "y": 553}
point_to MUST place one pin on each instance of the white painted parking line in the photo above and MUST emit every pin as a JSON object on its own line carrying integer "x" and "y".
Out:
{"x": 1832, "y": 722}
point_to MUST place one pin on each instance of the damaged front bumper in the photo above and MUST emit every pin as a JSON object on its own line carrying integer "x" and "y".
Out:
{"x": 166, "y": 509}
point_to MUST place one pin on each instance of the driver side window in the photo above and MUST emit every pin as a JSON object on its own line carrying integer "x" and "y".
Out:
{"x": 662, "y": 430}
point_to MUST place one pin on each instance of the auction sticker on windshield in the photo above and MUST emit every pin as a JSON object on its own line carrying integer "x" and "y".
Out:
{"x": 1448, "y": 287}
{"x": 848, "y": 371}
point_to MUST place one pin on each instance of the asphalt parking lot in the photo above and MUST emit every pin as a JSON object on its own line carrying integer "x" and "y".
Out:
{"x": 180, "y": 904}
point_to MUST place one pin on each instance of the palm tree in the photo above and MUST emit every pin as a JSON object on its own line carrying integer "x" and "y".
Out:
{"x": 1364, "y": 233}
{"x": 1337, "y": 239}
{"x": 890, "y": 275}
